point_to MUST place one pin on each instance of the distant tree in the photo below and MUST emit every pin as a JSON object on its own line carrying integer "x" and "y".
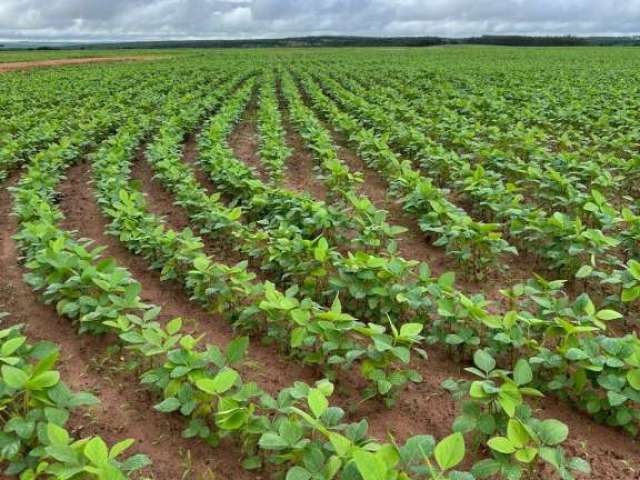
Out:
{"x": 529, "y": 41}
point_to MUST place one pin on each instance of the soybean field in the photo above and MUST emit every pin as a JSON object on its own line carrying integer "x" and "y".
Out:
{"x": 310, "y": 264}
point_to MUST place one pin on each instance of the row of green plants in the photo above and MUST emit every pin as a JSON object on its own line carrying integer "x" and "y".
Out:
{"x": 36, "y": 406}
{"x": 341, "y": 183}
{"x": 28, "y": 125}
{"x": 273, "y": 150}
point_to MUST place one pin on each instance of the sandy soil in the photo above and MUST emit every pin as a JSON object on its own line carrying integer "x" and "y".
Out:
{"x": 11, "y": 66}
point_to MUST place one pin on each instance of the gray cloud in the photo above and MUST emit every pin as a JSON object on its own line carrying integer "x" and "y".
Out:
{"x": 178, "y": 19}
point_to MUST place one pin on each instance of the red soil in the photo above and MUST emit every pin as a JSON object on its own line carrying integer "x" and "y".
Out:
{"x": 11, "y": 66}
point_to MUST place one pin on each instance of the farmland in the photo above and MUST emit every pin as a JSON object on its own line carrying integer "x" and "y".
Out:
{"x": 354, "y": 264}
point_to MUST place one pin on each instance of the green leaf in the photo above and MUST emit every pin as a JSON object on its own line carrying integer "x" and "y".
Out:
{"x": 223, "y": 381}
{"x": 370, "y": 466}
{"x": 10, "y": 346}
{"x": 450, "y": 451}
{"x": 584, "y": 271}
{"x": 171, "y": 404}
{"x": 417, "y": 448}
{"x": 633, "y": 377}
{"x": 120, "y": 447}
{"x": 135, "y": 462}
{"x": 237, "y": 349}
{"x": 96, "y": 451}
{"x": 517, "y": 433}
{"x": 290, "y": 431}
{"x": 63, "y": 453}
{"x": 410, "y": 330}
{"x": 616, "y": 399}
{"x": 476, "y": 389}
{"x": 332, "y": 467}
{"x": 252, "y": 463}
{"x": 526, "y": 455}
{"x": 14, "y": 377}
{"x": 522, "y": 373}
{"x": 57, "y": 435}
{"x": 607, "y": 315}
{"x": 341, "y": 444}
{"x": 630, "y": 294}
{"x": 320, "y": 252}
{"x": 44, "y": 380}
{"x": 634, "y": 269}
{"x": 174, "y": 326}
{"x": 552, "y": 432}
{"x": 318, "y": 403}
{"x": 447, "y": 280}
{"x": 485, "y": 468}
{"x": 201, "y": 263}
{"x": 298, "y": 473}
{"x": 484, "y": 361}
{"x": 501, "y": 444}
{"x": 272, "y": 441}
{"x": 298, "y": 335}
{"x": 580, "y": 465}
{"x": 509, "y": 398}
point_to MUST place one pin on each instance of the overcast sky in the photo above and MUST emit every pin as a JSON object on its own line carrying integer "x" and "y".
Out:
{"x": 183, "y": 19}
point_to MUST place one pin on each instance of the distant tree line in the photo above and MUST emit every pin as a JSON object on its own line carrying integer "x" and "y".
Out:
{"x": 347, "y": 41}
{"x": 527, "y": 41}
{"x": 282, "y": 42}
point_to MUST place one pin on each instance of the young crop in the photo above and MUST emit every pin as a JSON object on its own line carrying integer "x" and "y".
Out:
{"x": 496, "y": 412}
{"x": 485, "y": 156}
{"x": 36, "y": 406}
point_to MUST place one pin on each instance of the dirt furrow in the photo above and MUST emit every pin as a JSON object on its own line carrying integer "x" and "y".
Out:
{"x": 190, "y": 157}
{"x": 300, "y": 172}
{"x": 244, "y": 140}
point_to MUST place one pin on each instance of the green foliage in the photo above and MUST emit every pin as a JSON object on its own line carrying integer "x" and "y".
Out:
{"x": 36, "y": 405}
